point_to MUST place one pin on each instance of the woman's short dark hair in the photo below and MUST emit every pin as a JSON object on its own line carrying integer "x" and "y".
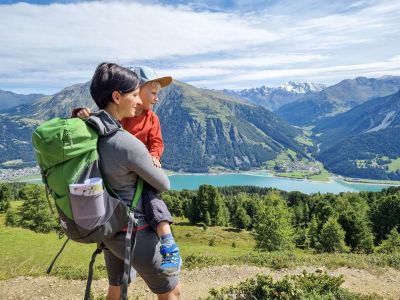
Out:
{"x": 110, "y": 77}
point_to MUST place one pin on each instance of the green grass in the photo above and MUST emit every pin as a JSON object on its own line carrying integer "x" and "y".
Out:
{"x": 12, "y": 162}
{"x": 25, "y": 253}
{"x": 304, "y": 140}
{"x": 296, "y": 175}
{"x": 195, "y": 239}
{"x": 323, "y": 176}
{"x": 394, "y": 165}
{"x": 30, "y": 178}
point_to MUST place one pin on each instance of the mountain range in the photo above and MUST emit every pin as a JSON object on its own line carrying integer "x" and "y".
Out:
{"x": 337, "y": 99}
{"x": 274, "y": 97}
{"x": 354, "y": 127}
{"x": 9, "y": 99}
{"x": 202, "y": 129}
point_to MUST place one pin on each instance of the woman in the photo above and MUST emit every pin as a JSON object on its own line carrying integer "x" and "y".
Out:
{"x": 123, "y": 158}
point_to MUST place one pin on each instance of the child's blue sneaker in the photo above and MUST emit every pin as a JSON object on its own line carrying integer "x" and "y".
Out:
{"x": 171, "y": 260}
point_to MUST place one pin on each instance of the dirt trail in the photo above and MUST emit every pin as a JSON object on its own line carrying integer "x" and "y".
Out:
{"x": 196, "y": 283}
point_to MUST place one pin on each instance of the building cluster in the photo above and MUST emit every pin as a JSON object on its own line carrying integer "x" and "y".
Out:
{"x": 298, "y": 166}
{"x": 17, "y": 174}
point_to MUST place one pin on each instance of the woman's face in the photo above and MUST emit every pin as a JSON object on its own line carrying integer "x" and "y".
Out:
{"x": 128, "y": 104}
{"x": 149, "y": 95}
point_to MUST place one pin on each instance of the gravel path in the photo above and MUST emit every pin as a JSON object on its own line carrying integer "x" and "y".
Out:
{"x": 196, "y": 283}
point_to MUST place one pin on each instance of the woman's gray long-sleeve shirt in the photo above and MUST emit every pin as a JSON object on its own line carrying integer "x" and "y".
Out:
{"x": 123, "y": 157}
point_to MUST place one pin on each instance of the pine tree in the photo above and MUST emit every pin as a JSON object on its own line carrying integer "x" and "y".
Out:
{"x": 5, "y": 197}
{"x": 313, "y": 233}
{"x": 332, "y": 237}
{"x": 273, "y": 229}
{"x": 34, "y": 211}
{"x": 385, "y": 215}
{"x": 353, "y": 217}
{"x": 209, "y": 207}
{"x": 241, "y": 219}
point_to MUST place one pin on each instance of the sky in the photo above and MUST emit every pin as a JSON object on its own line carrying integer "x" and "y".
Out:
{"x": 46, "y": 45}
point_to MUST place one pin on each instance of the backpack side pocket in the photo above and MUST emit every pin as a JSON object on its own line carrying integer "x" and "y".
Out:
{"x": 88, "y": 210}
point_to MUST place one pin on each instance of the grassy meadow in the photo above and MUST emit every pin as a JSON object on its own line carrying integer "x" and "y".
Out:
{"x": 25, "y": 253}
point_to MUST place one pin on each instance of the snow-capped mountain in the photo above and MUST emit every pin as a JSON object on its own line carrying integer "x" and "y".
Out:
{"x": 274, "y": 97}
{"x": 301, "y": 87}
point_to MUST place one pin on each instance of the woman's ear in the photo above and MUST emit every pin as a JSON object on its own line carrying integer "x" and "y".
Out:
{"x": 116, "y": 96}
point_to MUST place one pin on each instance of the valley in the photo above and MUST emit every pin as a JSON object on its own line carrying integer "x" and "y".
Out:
{"x": 209, "y": 131}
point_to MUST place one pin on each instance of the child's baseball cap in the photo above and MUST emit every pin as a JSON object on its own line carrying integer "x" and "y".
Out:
{"x": 147, "y": 74}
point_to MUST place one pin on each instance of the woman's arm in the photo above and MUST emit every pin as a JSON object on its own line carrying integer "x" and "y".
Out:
{"x": 139, "y": 161}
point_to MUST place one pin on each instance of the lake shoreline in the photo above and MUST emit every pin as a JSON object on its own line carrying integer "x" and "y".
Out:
{"x": 262, "y": 178}
{"x": 266, "y": 173}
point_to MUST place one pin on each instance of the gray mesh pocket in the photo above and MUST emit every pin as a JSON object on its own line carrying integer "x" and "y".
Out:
{"x": 88, "y": 211}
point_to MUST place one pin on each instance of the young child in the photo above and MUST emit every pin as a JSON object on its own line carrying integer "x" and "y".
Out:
{"x": 146, "y": 127}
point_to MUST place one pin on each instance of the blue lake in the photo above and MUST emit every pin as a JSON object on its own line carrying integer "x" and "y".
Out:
{"x": 193, "y": 181}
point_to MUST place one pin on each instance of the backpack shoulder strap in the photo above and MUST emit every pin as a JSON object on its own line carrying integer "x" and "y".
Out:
{"x": 138, "y": 193}
{"x": 136, "y": 196}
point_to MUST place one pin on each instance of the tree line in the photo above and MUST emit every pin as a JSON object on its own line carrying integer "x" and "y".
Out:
{"x": 361, "y": 222}
{"x": 347, "y": 222}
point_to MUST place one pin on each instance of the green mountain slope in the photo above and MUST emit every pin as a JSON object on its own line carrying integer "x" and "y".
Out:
{"x": 363, "y": 142}
{"x": 371, "y": 116}
{"x": 374, "y": 155}
{"x": 15, "y": 138}
{"x": 202, "y": 129}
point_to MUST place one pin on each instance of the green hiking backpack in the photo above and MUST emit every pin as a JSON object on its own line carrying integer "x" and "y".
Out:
{"x": 66, "y": 151}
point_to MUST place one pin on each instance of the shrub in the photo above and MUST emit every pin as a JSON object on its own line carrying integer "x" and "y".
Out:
{"x": 198, "y": 261}
{"x": 305, "y": 286}
{"x": 12, "y": 217}
{"x": 391, "y": 244}
{"x": 212, "y": 243}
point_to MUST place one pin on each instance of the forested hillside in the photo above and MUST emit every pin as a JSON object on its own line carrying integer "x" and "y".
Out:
{"x": 363, "y": 142}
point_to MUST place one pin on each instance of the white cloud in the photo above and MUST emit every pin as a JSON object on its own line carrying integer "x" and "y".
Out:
{"x": 389, "y": 67}
{"x": 124, "y": 31}
{"x": 61, "y": 44}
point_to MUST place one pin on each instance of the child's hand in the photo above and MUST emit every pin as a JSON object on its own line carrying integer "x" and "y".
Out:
{"x": 156, "y": 162}
{"x": 82, "y": 112}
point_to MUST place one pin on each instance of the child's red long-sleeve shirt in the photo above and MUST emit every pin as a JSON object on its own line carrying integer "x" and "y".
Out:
{"x": 146, "y": 128}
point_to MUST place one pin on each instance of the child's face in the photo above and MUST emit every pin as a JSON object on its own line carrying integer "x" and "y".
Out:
{"x": 149, "y": 95}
